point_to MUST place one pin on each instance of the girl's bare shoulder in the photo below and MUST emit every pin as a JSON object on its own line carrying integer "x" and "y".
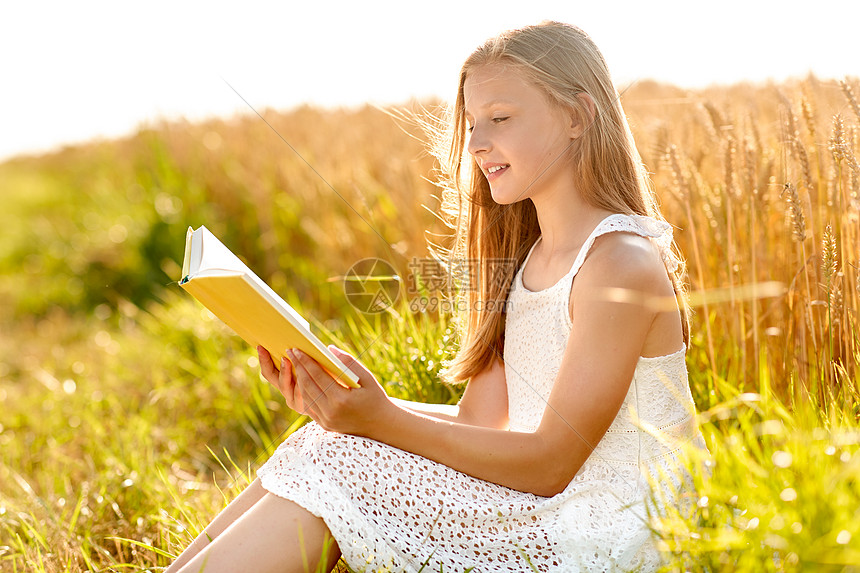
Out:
{"x": 625, "y": 260}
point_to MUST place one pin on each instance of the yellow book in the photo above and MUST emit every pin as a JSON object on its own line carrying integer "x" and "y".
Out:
{"x": 227, "y": 287}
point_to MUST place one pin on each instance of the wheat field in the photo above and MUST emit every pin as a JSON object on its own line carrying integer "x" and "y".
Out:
{"x": 130, "y": 416}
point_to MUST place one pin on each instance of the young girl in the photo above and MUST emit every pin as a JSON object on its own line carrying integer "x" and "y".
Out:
{"x": 577, "y": 386}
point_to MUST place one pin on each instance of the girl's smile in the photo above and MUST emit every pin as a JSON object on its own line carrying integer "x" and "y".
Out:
{"x": 493, "y": 171}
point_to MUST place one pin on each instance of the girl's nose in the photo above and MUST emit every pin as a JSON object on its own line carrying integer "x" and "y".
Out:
{"x": 478, "y": 142}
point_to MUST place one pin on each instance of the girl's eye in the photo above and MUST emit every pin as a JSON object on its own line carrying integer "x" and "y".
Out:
{"x": 470, "y": 128}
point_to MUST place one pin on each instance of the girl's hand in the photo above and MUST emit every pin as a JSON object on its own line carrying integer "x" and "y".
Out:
{"x": 281, "y": 378}
{"x": 335, "y": 408}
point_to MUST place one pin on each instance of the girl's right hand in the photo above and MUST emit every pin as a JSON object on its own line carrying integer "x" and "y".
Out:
{"x": 282, "y": 379}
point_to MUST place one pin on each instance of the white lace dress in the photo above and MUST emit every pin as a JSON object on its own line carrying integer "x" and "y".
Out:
{"x": 391, "y": 510}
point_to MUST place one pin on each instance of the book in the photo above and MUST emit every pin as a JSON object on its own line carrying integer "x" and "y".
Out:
{"x": 235, "y": 294}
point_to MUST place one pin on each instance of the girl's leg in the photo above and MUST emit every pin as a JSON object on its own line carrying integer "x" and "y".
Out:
{"x": 243, "y": 502}
{"x": 273, "y": 535}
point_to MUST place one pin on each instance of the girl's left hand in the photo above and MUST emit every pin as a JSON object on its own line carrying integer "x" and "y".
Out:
{"x": 335, "y": 408}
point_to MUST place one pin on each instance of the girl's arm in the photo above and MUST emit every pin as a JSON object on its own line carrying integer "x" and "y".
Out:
{"x": 447, "y": 412}
{"x": 484, "y": 402}
{"x": 594, "y": 377}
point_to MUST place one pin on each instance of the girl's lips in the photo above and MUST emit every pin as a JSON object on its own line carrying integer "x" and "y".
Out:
{"x": 497, "y": 171}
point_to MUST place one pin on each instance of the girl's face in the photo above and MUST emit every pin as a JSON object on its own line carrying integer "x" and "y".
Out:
{"x": 518, "y": 138}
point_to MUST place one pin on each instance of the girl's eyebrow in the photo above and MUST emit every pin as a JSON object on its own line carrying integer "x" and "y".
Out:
{"x": 496, "y": 101}
{"x": 499, "y": 101}
{"x": 491, "y": 103}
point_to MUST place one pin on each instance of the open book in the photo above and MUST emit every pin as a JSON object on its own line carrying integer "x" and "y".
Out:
{"x": 227, "y": 287}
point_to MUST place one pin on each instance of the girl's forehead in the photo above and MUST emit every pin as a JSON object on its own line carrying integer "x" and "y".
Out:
{"x": 493, "y": 75}
{"x": 488, "y": 84}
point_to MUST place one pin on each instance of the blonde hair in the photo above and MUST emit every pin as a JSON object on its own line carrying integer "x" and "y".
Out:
{"x": 564, "y": 62}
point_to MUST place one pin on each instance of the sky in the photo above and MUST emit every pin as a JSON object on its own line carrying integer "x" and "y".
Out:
{"x": 72, "y": 71}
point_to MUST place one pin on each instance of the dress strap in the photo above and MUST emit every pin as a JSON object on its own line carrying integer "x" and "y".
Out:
{"x": 529, "y": 255}
{"x": 659, "y": 231}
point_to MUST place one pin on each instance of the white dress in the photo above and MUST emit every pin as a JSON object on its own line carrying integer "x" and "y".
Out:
{"x": 391, "y": 510}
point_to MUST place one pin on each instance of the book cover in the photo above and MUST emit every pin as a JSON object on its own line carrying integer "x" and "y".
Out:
{"x": 235, "y": 294}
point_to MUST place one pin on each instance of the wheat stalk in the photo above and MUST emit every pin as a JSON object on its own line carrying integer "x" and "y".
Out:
{"x": 857, "y": 280}
{"x": 808, "y": 116}
{"x": 790, "y": 119}
{"x": 683, "y": 191}
{"x": 717, "y": 119}
{"x": 800, "y": 153}
{"x": 829, "y": 268}
{"x": 829, "y": 256}
{"x": 796, "y": 211}
{"x": 749, "y": 166}
{"x": 729, "y": 167}
{"x": 838, "y": 145}
{"x": 849, "y": 95}
{"x": 795, "y": 145}
{"x": 836, "y": 298}
{"x": 681, "y": 186}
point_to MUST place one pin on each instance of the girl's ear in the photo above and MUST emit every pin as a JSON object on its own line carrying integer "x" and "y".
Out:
{"x": 583, "y": 116}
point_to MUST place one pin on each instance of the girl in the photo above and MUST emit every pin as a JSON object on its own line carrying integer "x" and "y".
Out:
{"x": 544, "y": 463}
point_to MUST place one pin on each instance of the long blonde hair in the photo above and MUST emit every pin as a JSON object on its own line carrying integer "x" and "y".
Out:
{"x": 564, "y": 62}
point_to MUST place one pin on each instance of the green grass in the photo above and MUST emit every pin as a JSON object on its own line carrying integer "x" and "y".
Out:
{"x": 778, "y": 493}
{"x": 122, "y": 437}
{"x": 141, "y": 425}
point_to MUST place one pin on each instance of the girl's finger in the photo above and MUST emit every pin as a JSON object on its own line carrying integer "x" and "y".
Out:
{"x": 312, "y": 394}
{"x": 267, "y": 366}
{"x": 285, "y": 376}
{"x": 319, "y": 375}
{"x": 365, "y": 376}
{"x": 288, "y": 385}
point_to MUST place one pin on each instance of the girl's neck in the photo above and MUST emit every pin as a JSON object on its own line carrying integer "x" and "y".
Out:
{"x": 565, "y": 222}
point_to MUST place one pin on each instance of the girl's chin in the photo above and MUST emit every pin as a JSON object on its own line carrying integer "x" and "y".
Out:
{"x": 503, "y": 198}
